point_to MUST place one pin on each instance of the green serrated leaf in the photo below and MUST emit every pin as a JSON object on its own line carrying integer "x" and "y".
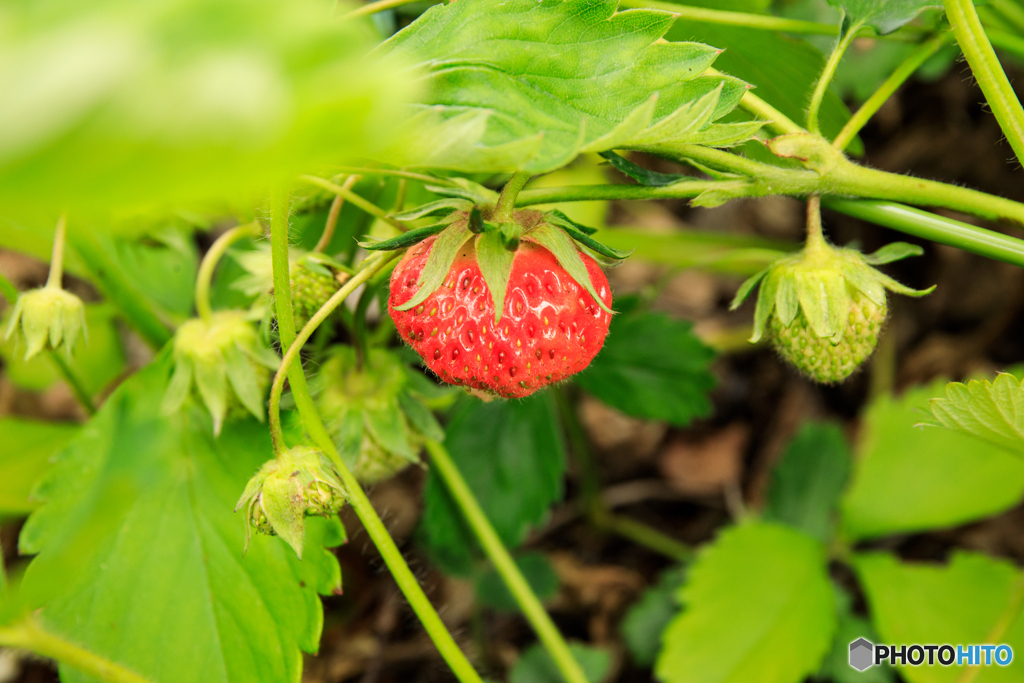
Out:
{"x": 536, "y": 569}
{"x": 893, "y": 252}
{"x": 647, "y": 619}
{"x": 851, "y": 627}
{"x": 559, "y": 243}
{"x": 807, "y": 483}
{"x": 536, "y": 665}
{"x": 725, "y": 135}
{"x": 760, "y": 592}
{"x": 909, "y": 477}
{"x": 885, "y": 16}
{"x": 405, "y": 240}
{"x": 442, "y": 255}
{"x": 495, "y": 261}
{"x": 516, "y": 483}
{"x": 28, "y": 448}
{"x": 962, "y": 602}
{"x": 993, "y": 411}
{"x": 652, "y": 367}
{"x": 503, "y": 93}
{"x": 680, "y": 125}
{"x": 433, "y": 208}
{"x": 139, "y": 557}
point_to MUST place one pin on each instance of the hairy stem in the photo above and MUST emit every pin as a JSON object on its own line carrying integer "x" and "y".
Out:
{"x": 921, "y": 54}
{"x": 422, "y": 177}
{"x": 353, "y": 198}
{"x": 204, "y": 277}
{"x": 815, "y": 238}
{"x": 826, "y": 77}
{"x": 987, "y": 71}
{"x": 56, "y": 276}
{"x": 332, "y": 215}
{"x": 765, "y": 22}
{"x": 375, "y": 528}
{"x": 28, "y": 634}
{"x": 503, "y": 210}
{"x": 74, "y": 382}
{"x": 532, "y": 608}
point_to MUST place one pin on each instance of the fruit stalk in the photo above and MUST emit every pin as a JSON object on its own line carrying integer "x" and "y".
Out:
{"x": 503, "y": 210}
{"x": 56, "y": 275}
{"x": 205, "y": 275}
{"x": 332, "y": 215}
{"x": 826, "y": 77}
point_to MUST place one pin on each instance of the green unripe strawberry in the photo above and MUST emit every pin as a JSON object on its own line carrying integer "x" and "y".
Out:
{"x": 312, "y": 286}
{"x": 314, "y": 278}
{"x": 47, "y": 318}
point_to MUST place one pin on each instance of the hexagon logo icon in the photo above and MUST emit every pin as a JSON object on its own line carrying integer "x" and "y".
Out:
{"x": 861, "y": 654}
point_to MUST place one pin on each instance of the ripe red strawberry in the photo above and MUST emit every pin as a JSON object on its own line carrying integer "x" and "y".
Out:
{"x": 550, "y": 326}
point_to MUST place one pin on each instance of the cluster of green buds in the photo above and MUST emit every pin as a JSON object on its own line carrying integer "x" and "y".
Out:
{"x": 223, "y": 359}
{"x": 373, "y": 414}
{"x": 47, "y": 318}
{"x": 298, "y": 483}
{"x": 315, "y": 277}
{"x": 824, "y": 307}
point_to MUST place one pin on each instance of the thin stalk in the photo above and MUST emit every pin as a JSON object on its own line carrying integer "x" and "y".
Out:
{"x": 29, "y": 635}
{"x": 758, "y": 107}
{"x": 359, "y": 322}
{"x": 112, "y": 282}
{"x": 204, "y": 277}
{"x": 74, "y": 382}
{"x": 332, "y": 215}
{"x": 1011, "y": 11}
{"x": 374, "y": 7}
{"x": 375, "y": 528}
{"x": 403, "y": 192}
{"x": 988, "y": 72}
{"x": 921, "y": 54}
{"x": 684, "y": 189}
{"x": 504, "y": 209}
{"x": 815, "y": 237}
{"x": 56, "y": 276}
{"x": 532, "y": 608}
{"x": 765, "y": 22}
{"x": 353, "y": 198}
{"x": 826, "y": 77}
{"x": 8, "y": 290}
{"x": 366, "y": 170}
{"x": 645, "y": 536}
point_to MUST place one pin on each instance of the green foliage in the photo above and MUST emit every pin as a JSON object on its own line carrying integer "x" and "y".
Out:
{"x": 993, "y": 411}
{"x": 535, "y": 567}
{"x": 536, "y": 666}
{"x": 885, "y": 16}
{"x": 910, "y": 478}
{"x": 512, "y": 456}
{"x": 162, "y": 266}
{"x": 807, "y": 483}
{"x": 28, "y": 448}
{"x": 118, "y": 103}
{"x": 973, "y": 599}
{"x": 139, "y": 557}
{"x": 760, "y": 593}
{"x": 849, "y": 628}
{"x": 530, "y": 85}
{"x": 652, "y": 367}
{"x": 646, "y": 620}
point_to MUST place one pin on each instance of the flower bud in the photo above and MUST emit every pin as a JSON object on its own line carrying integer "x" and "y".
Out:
{"x": 48, "y": 318}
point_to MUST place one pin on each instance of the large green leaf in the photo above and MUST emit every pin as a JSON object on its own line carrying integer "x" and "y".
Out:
{"x": 885, "y": 16}
{"x": 849, "y": 628}
{"x": 757, "y": 606}
{"x": 652, "y": 367}
{"x": 993, "y": 411}
{"x": 140, "y": 555}
{"x": 973, "y": 599}
{"x": 536, "y": 665}
{"x": 911, "y": 478}
{"x": 807, "y": 483}
{"x": 645, "y": 621}
{"x": 512, "y": 456}
{"x": 125, "y": 103}
{"x": 25, "y": 453}
{"x": 522, "y": 84}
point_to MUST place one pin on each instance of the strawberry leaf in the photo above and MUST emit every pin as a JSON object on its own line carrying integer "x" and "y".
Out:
{"x": 139, "y": 556}
{"x": 993, "y": 411}
{"x": 536, "y": 666}
{"x": 644, "y": 623}
{"x": 885, "y": 16}
{"x": 29, "y": 446}
{"x": 527, "y": 85}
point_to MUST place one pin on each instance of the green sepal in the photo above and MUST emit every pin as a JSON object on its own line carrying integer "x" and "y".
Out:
{"x": 212, "y": 382}
{"x": 642, "y": 175}
{"x": 442, "y": 255}
{"x": 476, "y": 221}
{"x": 557, "y": 217}
{"x": 893, "y": 252}
{"x": 347, "y": 433}
{"x": 865, "y": 281}
{"x": 264, "y": 355}
{"x": 894, "y": 286}
{"x": 747, "y": 287}
{"x": 404, "y": 240}
{"x": 765, "y": 305}
{"x": 495, "y": 261}
{"x": 243, "y": 381}
{"x": 178, "y": 388}
{"x": 387, "y": 426}
{"x": 281, "y": 500}
{"x": 420, "y": 417}
{"x": 434, "y": 208}
{"x": 573, "y": 231}
{"x": 568, "y": 256}
{"x": 787, "y": 301}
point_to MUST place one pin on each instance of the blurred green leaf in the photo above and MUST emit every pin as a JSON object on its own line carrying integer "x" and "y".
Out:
{"x": 536, "y": 568}
{"x": 993, "y": 411}
{"x": 653, "y": 367}
{"x": 837, "y": 667}
{"x": 712, "y": 251}
{"x": 28, "y": 446}
{"x": 96, "y": 364}
{"x": 161, "y": 266}
{"x": 527, "y": 85}
{"x": 512, "y": 456}
{"x": 908, "y": 477}
{"x": 757, "y": 605}
{"x": 139, "y": 556}
{"x": 536, "y": 666}
{"x": 647, "y": 619}
{"x": 885, "y": 16}
{"x": 973, "y": 599}
{"x": 132, "y": 104}
{"x": 808, "y": 481}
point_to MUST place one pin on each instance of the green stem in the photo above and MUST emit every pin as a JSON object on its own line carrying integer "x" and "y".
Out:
{"x": 374, "y": 7}
{"x": 505, "y": 565}
{"x": 826, "y": 77}
{"x": 332, "y": 216}
{"x": 375, "y": 528}
{"x": 765, "y": 22}
{"x": 29, "y": 635}
{"x": 204, "y": 277}
{"x": 422, "y": 177}
{"x": 353, "y": 198}
{"x": 644, "y": 536}
{"x": 56, "y": 277}
{"x": 987, "y": 71}
{"x": 815, "y": 237}
{"x": 505, "y": 208}
{"x": 8, "y": 290}
{"x": 684, "y": 189}
{"x": 74, "y": 382}
{"x": 921, "y": 54}
{"x": 116, "y": 287}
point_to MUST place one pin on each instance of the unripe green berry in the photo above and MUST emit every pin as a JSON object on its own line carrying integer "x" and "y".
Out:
{"x": 47, "y": 318}
{"x": 310, "y": 291}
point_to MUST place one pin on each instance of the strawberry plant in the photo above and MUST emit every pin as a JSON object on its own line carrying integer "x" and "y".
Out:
{"x": 300, "y": 256}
